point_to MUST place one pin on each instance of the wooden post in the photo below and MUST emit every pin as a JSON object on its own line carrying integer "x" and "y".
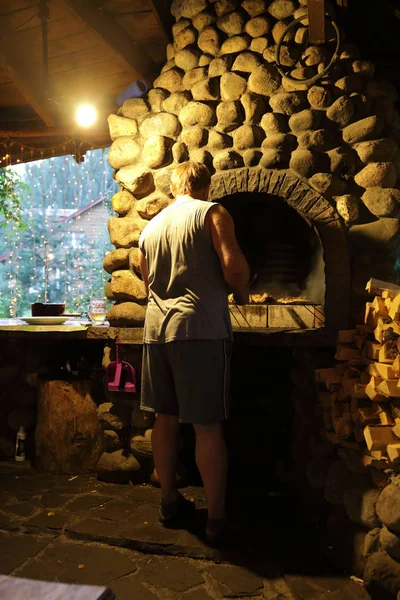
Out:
{"x": 316, "y": 21}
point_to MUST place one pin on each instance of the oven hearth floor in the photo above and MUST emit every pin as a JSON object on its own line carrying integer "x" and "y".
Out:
{"x": 79, "y": 530}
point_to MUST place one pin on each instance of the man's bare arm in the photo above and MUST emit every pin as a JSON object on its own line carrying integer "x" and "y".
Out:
{"x": 233, "y": 262}
{"x": 144, "y": 271}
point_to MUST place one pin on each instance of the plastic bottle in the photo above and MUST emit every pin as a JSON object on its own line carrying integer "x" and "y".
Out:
{"x": 20, "y": 445}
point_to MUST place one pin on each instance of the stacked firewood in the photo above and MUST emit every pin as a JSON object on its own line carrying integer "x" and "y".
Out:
{"x": 360, "y": 396}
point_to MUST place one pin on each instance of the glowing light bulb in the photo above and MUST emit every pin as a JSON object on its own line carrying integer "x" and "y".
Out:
{"x": 86, "y": 115}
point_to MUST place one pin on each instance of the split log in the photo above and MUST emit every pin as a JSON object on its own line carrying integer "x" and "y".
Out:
{"x": 384, "y": 370}
{"x": 346, "y": 353}
{"x": 380, "y": 307}
{"x": 396, "y": 428}
{"x": 68, "y": 434}
{"x": 371, "y": 350}
{"x": 377, "y": 438}
{"x": 394, "y": 310}
{"x": 393, "y": 451}
{"x": 369, "y": 316}
{"x": 371, "y": 390}
{"x": 389, "y": 388}
{"x": 376, "y": 286}
{"x": 396, "y": 366}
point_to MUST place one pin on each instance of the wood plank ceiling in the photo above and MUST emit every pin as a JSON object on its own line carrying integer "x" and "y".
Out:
{"x": 96, "y": 48}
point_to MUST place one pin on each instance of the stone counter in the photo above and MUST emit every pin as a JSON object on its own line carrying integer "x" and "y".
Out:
{"x": 16, "y": 329}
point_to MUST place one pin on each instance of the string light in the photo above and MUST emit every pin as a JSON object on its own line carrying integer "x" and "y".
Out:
{"x": 72, "y": 187}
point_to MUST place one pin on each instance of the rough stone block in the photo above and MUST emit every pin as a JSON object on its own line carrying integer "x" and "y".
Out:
{"x": 288, "y": 103}
{"x": 305, "y": 120}
{"x": 124, "y": 151}
{"x": 133, "y": 108}
{"x": 232, "y": 86}
{"x": 206, "y": 90}
{"x": 235, "y": 44}
{"x": 164, "y": 124}
{"x": 264, "y": 80}
{"x": 137, "y": 180}
{"x": 120, "y": 126}
{"x": 171, "y": 80}
{"x": 219, "y": 66}
{"x": 366, "y": 129}
{"x": 383, "y": 150}
{"x": 197, "y": 113}
{"x": 123, "y": 202}
{"x": 227, "y": 159}
{"x": 379, "y": 174}
{"x": 360, "y": 505}
{"x": 258, "y": 26}
{"x": 187, "y": 59}
{"x": 126, "y": 314}
{"x": 209, "y": 40}
{"x": 175, "y": 102}
{"x": 382, "y": 202}
{"x": 194, "y": 76}
{"x": 185, "y": 38}
{"x": 281, "y": 9}
{"x": 125, "y": 232}
{"x": 116, "y": 259}
{"x": 246, "y": 62}
{"x": 151, "y": 205}
{"x": 231, "y": 23}
{"x": 274, "y": 123}
{"x": 247, "y": 136}
{"x": 319, "y": 97}
{"x": 156, "y": 152}
{"x": 229, "y": 115}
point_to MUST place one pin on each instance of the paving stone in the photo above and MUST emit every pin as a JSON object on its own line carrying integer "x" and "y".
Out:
{"x": 22, "y": 509}
{"x": 54, "y": 499}
{"x": 199, "y": 594}
{"x": 310, "y": 588}
{"x": 129, "y": 588}
{"x": 48, "y": 520}
{"x": 115, "y": 510}
{"x": 72, "y": 562}
{"x": 235, "y": 581}
{"x": 96, "y": 530}
{"x": 174, "y": 574}
{"x": 142, "y": 493}
{"x": 17, "y": 548}
{"x": 8, "y": 523}
{"x": 87, "y": 502}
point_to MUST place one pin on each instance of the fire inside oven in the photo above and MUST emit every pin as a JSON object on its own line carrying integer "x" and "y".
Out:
{"x": 282, "y": 248}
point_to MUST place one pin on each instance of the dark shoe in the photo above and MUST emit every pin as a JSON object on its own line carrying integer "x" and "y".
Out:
{"x": 215, "y": 531}
{"x": 174, "y": 513}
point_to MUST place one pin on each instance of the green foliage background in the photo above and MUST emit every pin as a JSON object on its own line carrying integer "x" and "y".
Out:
{"x": 36, "y": 244}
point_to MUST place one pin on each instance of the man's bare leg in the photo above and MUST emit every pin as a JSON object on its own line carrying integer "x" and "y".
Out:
{"x": 211, "y": 460}
{"x": 164, "y": 442}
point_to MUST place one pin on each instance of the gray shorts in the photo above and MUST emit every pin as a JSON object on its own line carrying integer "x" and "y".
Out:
{"x": 188, "y": 378}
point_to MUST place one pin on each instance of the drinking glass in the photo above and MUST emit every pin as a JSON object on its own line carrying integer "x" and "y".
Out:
{"x": 97, "y": 311}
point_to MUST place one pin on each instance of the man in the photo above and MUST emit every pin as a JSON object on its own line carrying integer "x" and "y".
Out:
{"x": 190, "y": 261}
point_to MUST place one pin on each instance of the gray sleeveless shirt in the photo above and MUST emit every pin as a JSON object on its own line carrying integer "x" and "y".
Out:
{"x": 188, "y": 296}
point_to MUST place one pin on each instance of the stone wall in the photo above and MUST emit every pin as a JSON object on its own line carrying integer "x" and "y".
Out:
{"x": 221, "y": 100}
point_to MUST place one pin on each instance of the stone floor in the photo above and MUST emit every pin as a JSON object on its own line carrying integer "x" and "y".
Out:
{"x": 79, "y": 530}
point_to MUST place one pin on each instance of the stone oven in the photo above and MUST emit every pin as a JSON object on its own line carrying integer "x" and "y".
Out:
{"x": 315, "y": 163}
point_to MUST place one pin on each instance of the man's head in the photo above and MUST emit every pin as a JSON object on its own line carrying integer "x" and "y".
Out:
{"x": 192, "y": 179}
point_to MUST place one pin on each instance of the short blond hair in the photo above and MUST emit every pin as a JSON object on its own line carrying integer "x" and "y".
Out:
{"x": 189, "y": 177}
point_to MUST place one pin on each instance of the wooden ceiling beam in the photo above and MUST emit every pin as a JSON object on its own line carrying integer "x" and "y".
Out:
{"x": 29, "y": 82}
{"x": 110, "y": 33}
{"x": 161, "y": 11}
